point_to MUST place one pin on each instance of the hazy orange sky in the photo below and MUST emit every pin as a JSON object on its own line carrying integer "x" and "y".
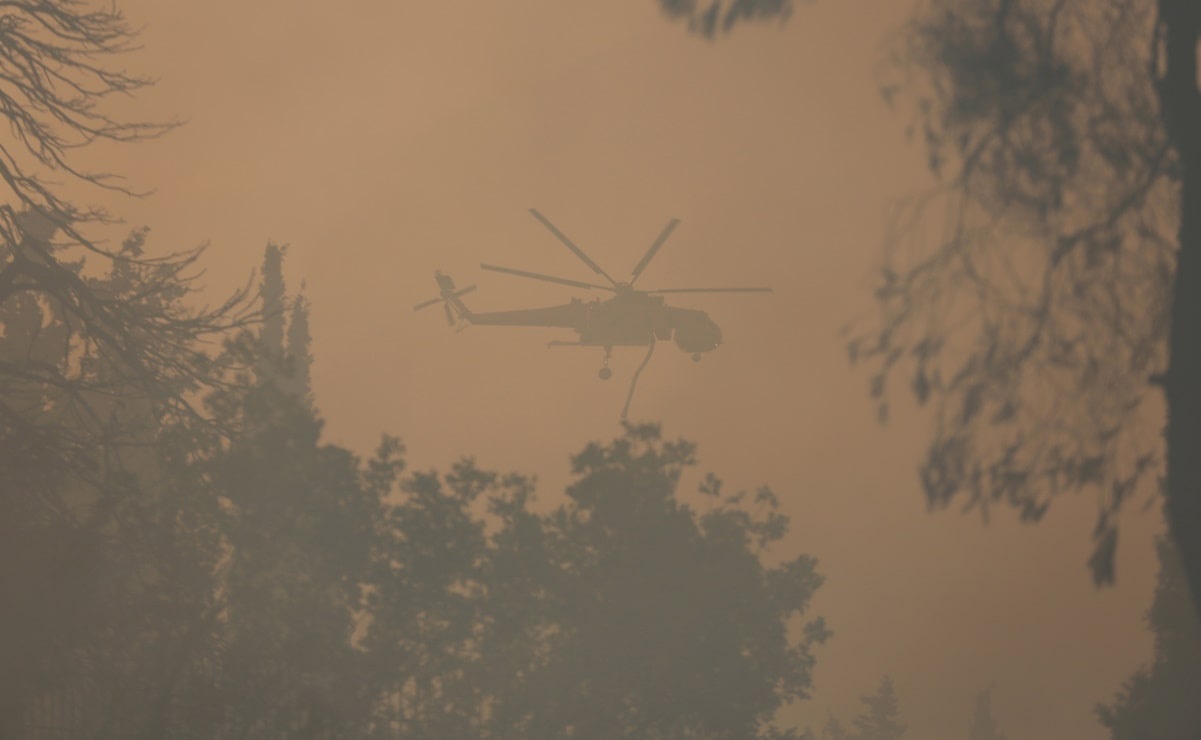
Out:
{"x": 384, "y": 140}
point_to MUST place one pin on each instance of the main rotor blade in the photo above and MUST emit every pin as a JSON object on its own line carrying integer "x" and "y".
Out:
{"x": 712, "y": 290}
{"x": 654, "y": 249}
{"x": 426, "y": 304}
{"x": 547, "y": 278}
{"x": 567, "y": 243}
{"x": 463, "y": 291}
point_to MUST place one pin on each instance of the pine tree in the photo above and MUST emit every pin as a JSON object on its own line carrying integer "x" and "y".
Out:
{"x": 299, "y": 355}
{"x": 271, "y": 293}
{"x": 880, "y": 719}
{"x": 834, "y": 730}
{"x": 984, "y": 727}
{"x": 284, "y": 354}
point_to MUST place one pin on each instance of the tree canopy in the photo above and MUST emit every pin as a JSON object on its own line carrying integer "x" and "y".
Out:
{"x": 710, "y": 17}
{"x": 1044, "y": 295}
{"x": 262, "y": 581}
{"x": 1035, "y": 315}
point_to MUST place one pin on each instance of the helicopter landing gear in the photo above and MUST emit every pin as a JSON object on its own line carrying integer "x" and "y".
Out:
{"x": 696, "y": 357}
{"x": 605, "y": 373}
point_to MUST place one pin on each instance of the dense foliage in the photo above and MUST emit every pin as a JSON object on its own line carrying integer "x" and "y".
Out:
{"x": 250, "y": 579}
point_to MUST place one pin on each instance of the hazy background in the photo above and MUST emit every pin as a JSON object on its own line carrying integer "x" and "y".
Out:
{"x": 385, "y": 140}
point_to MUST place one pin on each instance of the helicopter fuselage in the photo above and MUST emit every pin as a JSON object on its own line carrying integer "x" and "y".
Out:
{"x": 631, "y": 319}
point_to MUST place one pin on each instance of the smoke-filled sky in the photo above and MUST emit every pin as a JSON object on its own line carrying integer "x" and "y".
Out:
{"x": 384, "y": 140}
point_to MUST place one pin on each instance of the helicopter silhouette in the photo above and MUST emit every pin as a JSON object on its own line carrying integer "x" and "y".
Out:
{"x": 631, "y": 318}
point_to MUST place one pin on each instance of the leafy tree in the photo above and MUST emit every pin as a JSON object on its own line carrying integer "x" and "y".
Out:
{"x": 298, "y": 524}
{"x": 1058, "y": 292}
{"x": 425, "y": 609}
{"x": 1160, "y": 700}
{"x": 1065, "y": 287}
{"x": 102, "y": 560}
{"x": 288, "y": 590}
{"x": 623, "y": 612}
{"x": 1036, "y": 320}
{"x": 633, "y": 613}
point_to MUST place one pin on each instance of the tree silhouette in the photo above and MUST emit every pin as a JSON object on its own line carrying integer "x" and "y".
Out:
{"x": 259, "y": 582}
{"x": 56, "y": 84}
{"x": 1057, "y": 295}
{"x": 709, "y": 17}
{"x": 283, "y": 356}
{"x": 881, "y": 715}
{"x": 298, "y": 525}
{"x": 669, "y": 621}
{"x": 105, "y": 556}
{"x": 100, "y": 354}
{"x": 623, "y": 612}
{"x": 273, "y": 298}
{"x": 1160, "y": 700}
{"x": 296, "y": 521}
{"x": 880, "y": 718}
{"x": 834, "y": 730}
{"x": 984, "y": 726}
{"x": 299, "y": 349}
{"x": 426, "y": 620}
{"x": 1060, "y": 290}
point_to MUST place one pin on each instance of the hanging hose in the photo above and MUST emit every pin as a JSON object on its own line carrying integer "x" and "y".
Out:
{"x": 634, "y": 381}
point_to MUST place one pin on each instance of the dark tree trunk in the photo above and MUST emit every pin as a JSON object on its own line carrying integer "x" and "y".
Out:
{"x": 1180, "y": 26}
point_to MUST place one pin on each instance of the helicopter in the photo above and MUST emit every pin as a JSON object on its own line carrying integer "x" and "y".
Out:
{"x": 630, "y": 318}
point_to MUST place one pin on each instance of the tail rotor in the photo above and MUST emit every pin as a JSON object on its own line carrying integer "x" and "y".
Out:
{"x": 448, "y": 297}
